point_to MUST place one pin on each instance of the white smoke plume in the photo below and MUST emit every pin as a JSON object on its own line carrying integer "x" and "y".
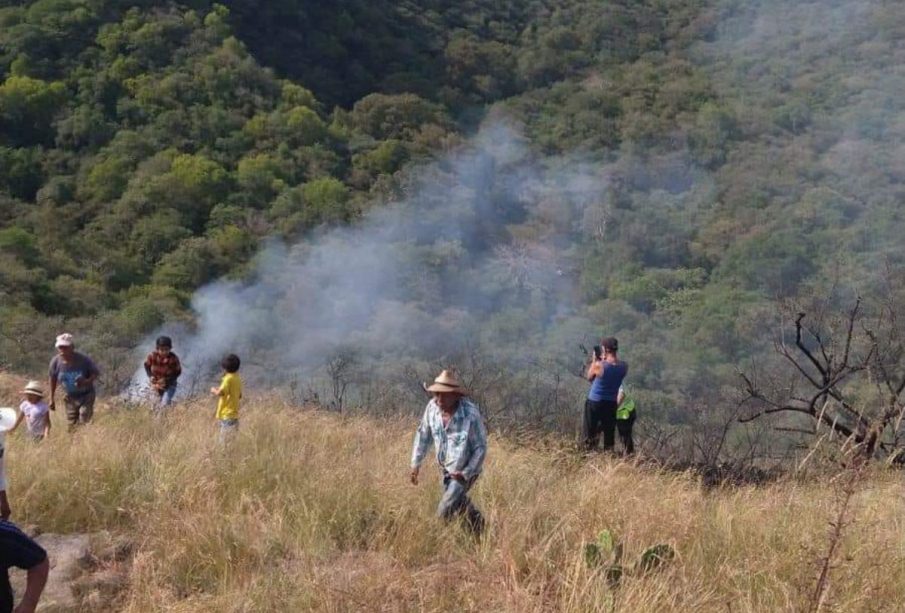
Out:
{"x": 484, "y": 233}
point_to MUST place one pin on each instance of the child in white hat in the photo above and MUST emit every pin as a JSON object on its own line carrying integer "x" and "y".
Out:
{"x": 34, "y": 411}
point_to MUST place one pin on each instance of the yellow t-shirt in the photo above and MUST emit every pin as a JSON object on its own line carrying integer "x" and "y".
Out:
{"x": 230, "y": 393}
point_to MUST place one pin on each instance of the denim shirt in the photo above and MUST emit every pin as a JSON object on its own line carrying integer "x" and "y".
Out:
{"x": 461, "y": 445}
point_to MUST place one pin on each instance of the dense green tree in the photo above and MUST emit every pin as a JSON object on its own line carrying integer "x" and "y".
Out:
{"x": 27, "y": 109}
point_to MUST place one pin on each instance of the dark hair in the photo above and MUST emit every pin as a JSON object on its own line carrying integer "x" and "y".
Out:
{"x": 164, "y": 341}
{"x": 231, "y": 363}
{"x": 610, "y": 344}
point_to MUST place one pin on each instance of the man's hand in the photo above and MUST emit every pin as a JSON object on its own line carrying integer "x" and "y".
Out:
{"x": 414, "y": 476}
{"x": 215, "y": 391}
{"x": 458, "y": 475}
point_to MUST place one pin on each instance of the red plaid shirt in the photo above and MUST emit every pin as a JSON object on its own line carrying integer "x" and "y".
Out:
{"x": 163, "y": 370}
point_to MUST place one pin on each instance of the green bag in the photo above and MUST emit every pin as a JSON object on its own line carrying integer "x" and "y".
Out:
{"x": 626, "y": 409}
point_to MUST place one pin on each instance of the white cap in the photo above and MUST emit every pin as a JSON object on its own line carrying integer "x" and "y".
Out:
{"x": 64, "y": 340}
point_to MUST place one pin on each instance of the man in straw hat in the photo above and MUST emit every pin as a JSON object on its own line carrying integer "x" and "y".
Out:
{"x": 453, "y": 424}
{"x": 77, "y": 374}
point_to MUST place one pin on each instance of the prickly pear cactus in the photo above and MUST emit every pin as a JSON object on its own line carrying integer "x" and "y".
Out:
{"x": 606, "y": 553}
{"x": 604, "y": 550}
{"x": 654, "y": 557}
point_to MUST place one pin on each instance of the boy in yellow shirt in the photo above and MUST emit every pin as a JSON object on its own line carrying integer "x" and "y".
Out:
{"x": 229, "y": 393}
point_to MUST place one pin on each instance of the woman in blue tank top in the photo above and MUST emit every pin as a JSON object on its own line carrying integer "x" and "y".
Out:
{"x": 605, "y": 373}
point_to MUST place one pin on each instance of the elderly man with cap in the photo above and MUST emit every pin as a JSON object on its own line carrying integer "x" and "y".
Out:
{"x": 77, "y": 374}
{"x": 453, "y": 424}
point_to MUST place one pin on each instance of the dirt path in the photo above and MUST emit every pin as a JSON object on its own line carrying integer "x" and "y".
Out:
{"x": 87, "y": 571}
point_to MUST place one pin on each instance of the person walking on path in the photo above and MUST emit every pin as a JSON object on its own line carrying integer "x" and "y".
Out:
{"x": 605, "y": 373}
{"x": 453, "y": 425}
{"x": 20, "y": 551}
{"x": 77, "y": 374}
{"x": 163, "y": 369}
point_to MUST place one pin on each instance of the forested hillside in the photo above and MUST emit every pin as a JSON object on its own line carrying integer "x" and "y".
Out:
{"x": 747, "y": 154}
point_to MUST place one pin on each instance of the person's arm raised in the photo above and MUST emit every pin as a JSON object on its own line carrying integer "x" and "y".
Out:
{"x": 594, "y": 370}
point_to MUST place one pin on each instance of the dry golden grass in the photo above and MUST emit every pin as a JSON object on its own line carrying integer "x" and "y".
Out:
{"x": 309, "y": 511}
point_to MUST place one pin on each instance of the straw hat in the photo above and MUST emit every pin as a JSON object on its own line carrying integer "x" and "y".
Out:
{"x": 7, "y": 419}
{"x": 446, "y": 381}
{"x": 34, "y": 387}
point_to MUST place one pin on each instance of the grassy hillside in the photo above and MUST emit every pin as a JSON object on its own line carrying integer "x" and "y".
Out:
{"x": 312, "y": 512}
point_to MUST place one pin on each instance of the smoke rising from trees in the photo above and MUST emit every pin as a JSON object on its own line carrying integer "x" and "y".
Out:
{"x": 480, "y": 240}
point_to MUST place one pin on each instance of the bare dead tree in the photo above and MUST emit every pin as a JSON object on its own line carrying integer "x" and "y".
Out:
{"x": 340, "y": 370}
{"x": 844, "y": 374}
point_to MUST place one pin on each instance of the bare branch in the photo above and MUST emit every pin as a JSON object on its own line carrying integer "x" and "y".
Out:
{"x": 853, "y": 314}
{"x": 803, "y": 349}
{"x": 795, "y": 430}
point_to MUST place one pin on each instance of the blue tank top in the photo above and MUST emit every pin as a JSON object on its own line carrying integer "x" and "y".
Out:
{"x": 606, "y": 385}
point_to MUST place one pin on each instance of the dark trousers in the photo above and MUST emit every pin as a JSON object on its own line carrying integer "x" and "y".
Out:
{"x": 79, "y": 409}
{"x": 6, "y": 593}
{"x": 600, "y": 417}
{"x": 624, "y": 426}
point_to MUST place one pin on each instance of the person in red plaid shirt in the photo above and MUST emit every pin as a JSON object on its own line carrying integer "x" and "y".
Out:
{"x": 163, "y": 369}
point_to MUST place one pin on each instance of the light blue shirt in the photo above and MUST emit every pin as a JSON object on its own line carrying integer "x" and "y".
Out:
{"x": 461, "y": 446}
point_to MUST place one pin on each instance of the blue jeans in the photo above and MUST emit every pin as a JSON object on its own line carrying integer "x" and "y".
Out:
{"x": 455, "y": 502}
{"x": 165, "y": 396}
{"x": 228, "y": 429}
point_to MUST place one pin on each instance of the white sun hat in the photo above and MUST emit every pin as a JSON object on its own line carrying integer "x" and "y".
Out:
{"x": 7, "y": 419}
{"x": 34, "y": 387}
